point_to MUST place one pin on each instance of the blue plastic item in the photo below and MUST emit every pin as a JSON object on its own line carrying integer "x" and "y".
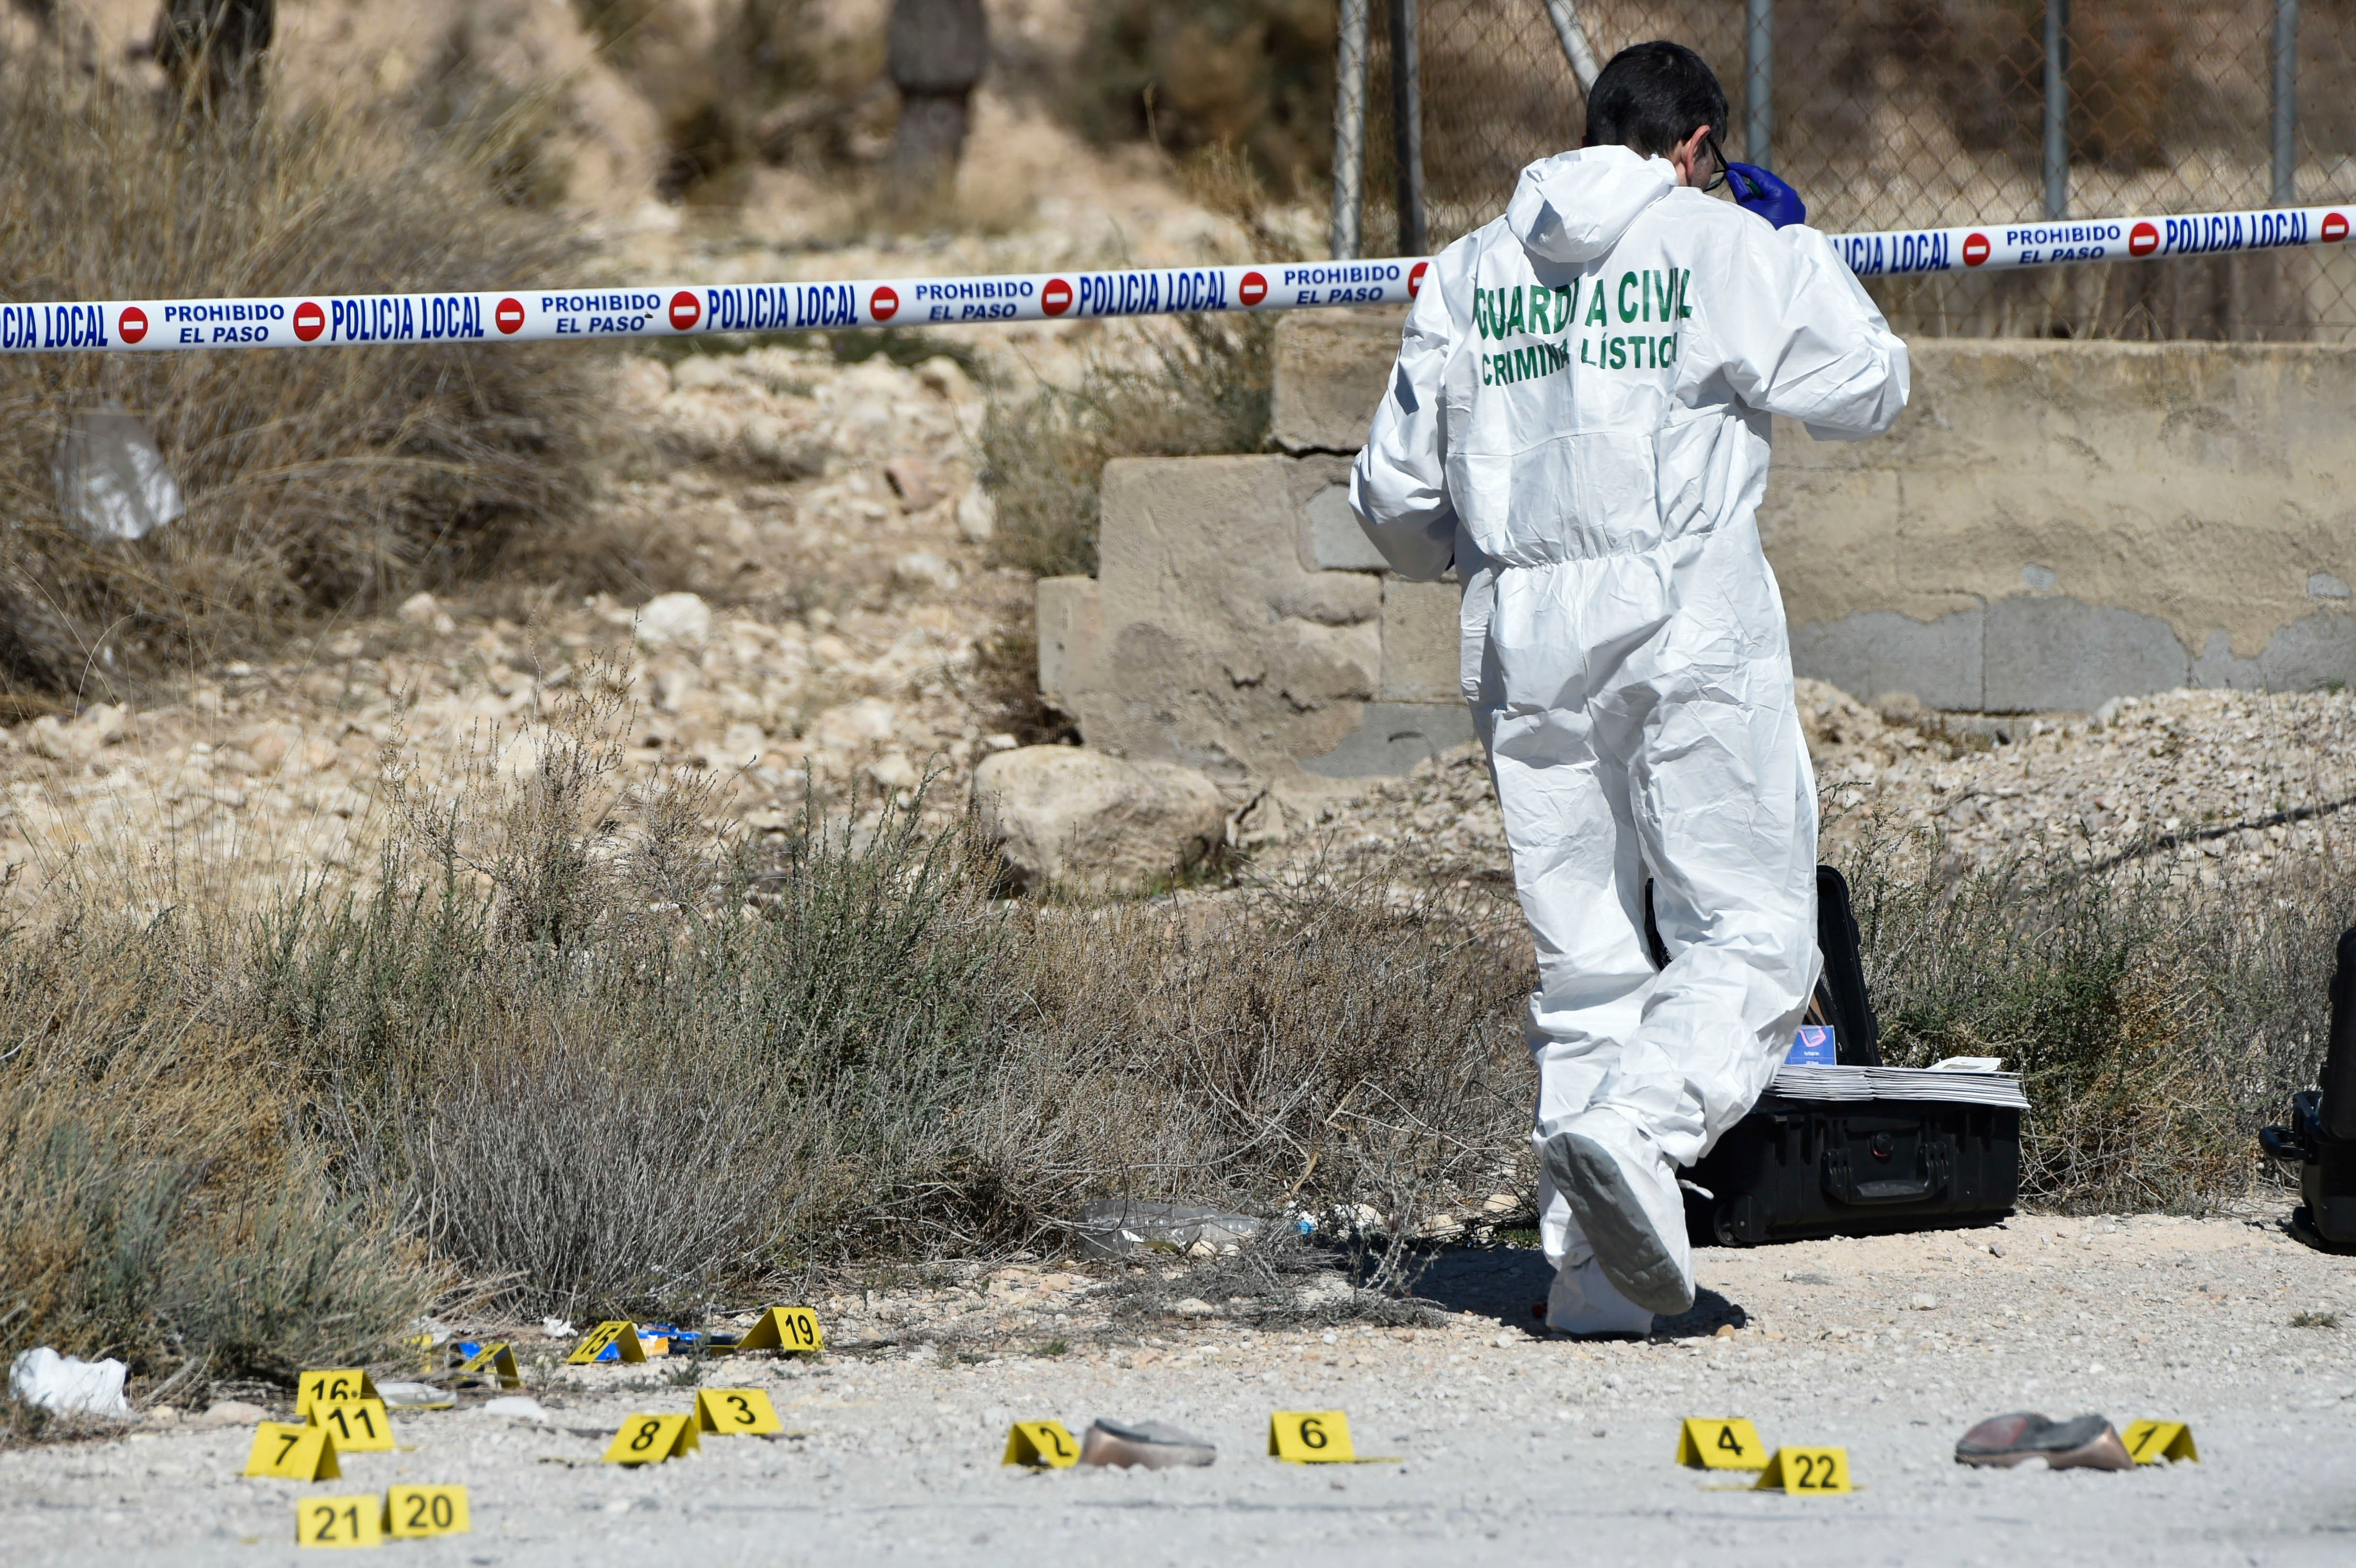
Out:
{"x": 1814, "y": 1048}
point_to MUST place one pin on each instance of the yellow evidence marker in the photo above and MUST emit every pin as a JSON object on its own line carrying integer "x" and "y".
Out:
{"x": 292, "y": 1453}
{"x": 414, "y": 1513}
{"x": 794, "y": 1329}
{"x": 2153, "y": 1442}
{"x": 359, "y": 1425}
{"x": 1708, "y": 1443}
{"x": 735, "y": 1412}
{"x": 1042, "y": 1444}
{"x": 1806, "y": 1472}
{"x": 651, "y": 1439}
{"x": 339, "y": 1522}
{"x": 1316, "y": 1437}
{"x": 348, "y": 1382}
{"x": 621, "y": 1333}
{"x": 496, "y": 1363}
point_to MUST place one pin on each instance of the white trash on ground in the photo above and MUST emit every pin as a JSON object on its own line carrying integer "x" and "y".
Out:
{"x": 68, "y": 1385}
{"x": 112, "y": 483}
{"x": 516, "y": 1407}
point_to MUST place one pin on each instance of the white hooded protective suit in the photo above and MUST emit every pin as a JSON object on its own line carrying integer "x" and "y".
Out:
{"x": 1578, "y": 420}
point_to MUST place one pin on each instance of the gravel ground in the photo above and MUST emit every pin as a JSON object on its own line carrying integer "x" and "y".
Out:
{"x": 1520, "y": 1444}
{"x": 2209, "y": 785}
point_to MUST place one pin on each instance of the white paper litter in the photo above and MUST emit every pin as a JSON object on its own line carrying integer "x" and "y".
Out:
{"x": 68, "y": 1385}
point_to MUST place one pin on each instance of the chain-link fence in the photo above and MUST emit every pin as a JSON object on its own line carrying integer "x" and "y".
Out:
{"x": 1915, "y": 113}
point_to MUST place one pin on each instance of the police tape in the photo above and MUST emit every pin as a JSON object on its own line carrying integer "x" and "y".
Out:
{"x": 526, "y": 315}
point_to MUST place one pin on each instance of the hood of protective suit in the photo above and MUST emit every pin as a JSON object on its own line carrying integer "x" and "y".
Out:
{"x": 1574, "y": 207}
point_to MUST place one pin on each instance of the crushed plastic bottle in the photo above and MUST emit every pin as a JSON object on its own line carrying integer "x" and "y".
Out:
{"x": 1116, "y": 1227}
{"x": 112, "y": 483}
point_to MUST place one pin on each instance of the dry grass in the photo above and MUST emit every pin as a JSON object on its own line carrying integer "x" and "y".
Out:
{"x": 589, "y": 1054}
{"x": 1192, "y": 386}
{"x": 315, "y": 482}
{"x": 577, "y": 1050}
{"x": 2157, "y": 1021}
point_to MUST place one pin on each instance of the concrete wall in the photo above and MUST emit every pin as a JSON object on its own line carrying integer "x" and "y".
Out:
{"x": 2055, "y": 524}
{"x": 1240, "y": 622}
{"x": 2051, "y": 525}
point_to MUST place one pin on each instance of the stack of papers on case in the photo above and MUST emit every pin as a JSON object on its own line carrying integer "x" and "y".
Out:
{"x": 1947, "y": 1087}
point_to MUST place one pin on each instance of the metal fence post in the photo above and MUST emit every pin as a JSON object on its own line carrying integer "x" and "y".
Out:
{"x": 1574, "y": 47}
{"x": 2057, "y": 110}
{"x": 2286, "y": 105}
{"x": 1350, "y": 129}
{"x": 1759, "y": 81}
{"x": 1407, "y": 120}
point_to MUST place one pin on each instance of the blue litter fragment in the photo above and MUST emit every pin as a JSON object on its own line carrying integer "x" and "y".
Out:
{"x": 1814, "y": 1048}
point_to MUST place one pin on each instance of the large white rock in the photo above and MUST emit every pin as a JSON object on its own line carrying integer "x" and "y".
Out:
{"x": 668, "y": 618}
{"x": 1080, "y": 821}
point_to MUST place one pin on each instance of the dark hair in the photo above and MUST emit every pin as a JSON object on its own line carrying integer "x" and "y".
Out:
{"x": 1652, "y": 96}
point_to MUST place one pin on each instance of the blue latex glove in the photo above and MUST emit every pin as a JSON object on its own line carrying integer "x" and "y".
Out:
{"x": 1765, "y": 194}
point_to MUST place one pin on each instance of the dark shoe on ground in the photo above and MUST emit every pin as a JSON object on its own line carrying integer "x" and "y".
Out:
{"x": 1149, "y": 1443}
{"x": 2087, "y": 1442}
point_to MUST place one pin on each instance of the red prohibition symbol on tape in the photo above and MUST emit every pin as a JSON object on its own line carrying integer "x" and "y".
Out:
{"x": 884, "y": 304}
{"x": 1056, "y": 298}
{"x": 309, "y": 321}
{"x": 2335, "y": 227}
{"x": 1415, "y": 278}
{"x": 1976, "y": 249}
{"x": 684, "y": 312}
{"x": 1251, "y": 289}
{"x": 132, "y": 325}
{"x": 2143, "y": 239}
{"x": 508, "y": 316}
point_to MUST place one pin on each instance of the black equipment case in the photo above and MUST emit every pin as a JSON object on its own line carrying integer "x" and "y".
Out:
{"x": 1793, "y": 1170}
{"x": 2321, "y": 1137}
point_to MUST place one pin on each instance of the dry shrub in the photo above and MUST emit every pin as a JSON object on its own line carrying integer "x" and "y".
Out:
{"x": 315, "y": 481}
{"x": 153, "y": 1204}
{"x": 2157, "y": 1021}
{"x": 1201, "y": 387}
{"x": 1345, "y": 1040}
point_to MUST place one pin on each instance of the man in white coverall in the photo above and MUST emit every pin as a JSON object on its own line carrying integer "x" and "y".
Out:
{"x": 1579, "y": 423}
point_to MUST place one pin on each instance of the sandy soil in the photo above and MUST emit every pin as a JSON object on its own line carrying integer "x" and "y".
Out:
{"x": 1521, "y": 1445}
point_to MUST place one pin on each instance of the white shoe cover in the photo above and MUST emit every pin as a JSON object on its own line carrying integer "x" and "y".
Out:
{"x": 1624, "y": 1193}
{"x": 1583, "y": 1302}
